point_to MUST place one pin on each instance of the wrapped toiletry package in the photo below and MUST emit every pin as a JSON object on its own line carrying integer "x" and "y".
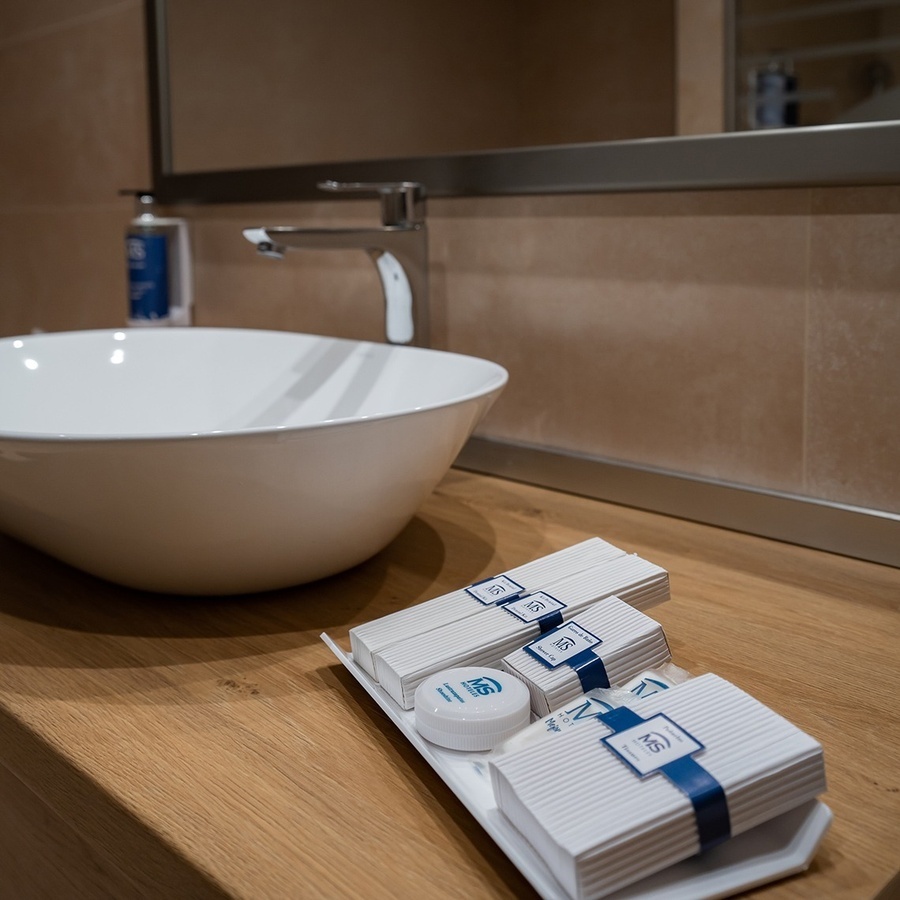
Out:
{"x": 484, "y": 639}
{"x": 602, "y": 646}
{"x": 585, "y": 707}
{"x": 637, "y": 789}
{"x": 539, "y": 574}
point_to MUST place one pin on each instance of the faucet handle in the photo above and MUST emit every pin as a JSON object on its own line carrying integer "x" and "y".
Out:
{"x": 402, "y": 202}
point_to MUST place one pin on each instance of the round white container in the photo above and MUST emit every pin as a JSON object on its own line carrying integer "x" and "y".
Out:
{"x": 471, "y": 708}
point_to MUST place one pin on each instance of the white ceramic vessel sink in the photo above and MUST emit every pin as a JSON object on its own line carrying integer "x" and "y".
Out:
{"x": 218, "y": 461}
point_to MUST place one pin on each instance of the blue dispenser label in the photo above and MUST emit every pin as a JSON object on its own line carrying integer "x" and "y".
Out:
{"x": 148, "y": 276}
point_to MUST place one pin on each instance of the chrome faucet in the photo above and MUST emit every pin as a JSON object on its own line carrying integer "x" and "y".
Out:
{"x": 399, "y": 249}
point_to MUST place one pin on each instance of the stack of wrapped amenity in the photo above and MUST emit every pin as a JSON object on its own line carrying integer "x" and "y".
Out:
{"x": 484, "y": 639}
{"x": 603, "y": 646}
{"x": 371, "y": 637}
{"x": 639, "y": 789}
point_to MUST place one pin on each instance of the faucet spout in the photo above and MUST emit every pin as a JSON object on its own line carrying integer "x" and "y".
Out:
{"x": 399, "y": 250}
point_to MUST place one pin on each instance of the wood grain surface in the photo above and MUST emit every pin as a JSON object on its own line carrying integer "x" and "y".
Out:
{"x": 186, "y": 748}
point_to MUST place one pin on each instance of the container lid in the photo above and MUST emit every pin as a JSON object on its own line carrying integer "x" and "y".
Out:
{"x": 471, "y": 708}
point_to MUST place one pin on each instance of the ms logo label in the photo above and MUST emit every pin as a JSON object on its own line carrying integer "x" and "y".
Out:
{"x": 482, "y": 686}
{"x": 652, "y": 744}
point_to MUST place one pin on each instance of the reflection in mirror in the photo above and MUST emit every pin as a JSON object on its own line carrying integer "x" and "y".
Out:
{"x": 517, "y": 96}
{"x": 816, "y": 62}
{"x": 294, "y": 81}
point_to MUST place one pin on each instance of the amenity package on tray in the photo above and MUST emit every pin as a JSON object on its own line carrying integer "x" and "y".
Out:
{"x": 603, "y": 646}
{"x": 539, "y": 574}
{"x": 484, "y": 639}
{"x": 586, "y": 707}
{"x": 644, "y": 786}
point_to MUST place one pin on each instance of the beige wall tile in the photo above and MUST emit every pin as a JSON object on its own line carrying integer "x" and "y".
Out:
{"x": 73, "y": 106}
{"x": 72, "y": 99}
{"x": 62, "y": 269}
{"x": 853, "y": 403}
{"x": 666, "y": 330}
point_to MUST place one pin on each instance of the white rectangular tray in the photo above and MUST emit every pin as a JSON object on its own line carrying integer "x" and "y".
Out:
{"x": 782, "y": 847}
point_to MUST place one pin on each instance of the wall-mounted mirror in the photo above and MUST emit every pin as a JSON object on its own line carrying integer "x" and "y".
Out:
{"x": 260, "y": 102}
{"x": 314, "y": 82}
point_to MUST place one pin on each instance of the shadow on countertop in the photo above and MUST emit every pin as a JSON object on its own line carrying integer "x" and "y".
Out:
{"x": 54, "y": 615}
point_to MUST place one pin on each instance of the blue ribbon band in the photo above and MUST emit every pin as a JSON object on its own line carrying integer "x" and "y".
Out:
{"x": 707, "y": 796}
{"x": 550, "y": 621}
{"x": 590, "y": 670}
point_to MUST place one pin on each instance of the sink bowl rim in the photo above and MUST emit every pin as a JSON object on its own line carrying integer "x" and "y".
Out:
{"x": 498, "y": 379}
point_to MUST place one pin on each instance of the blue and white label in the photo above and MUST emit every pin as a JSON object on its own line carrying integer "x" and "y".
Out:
{"x": 533, "y": 607}
{"x": 652, "y": 744}
{"x": 498, "y": 589}
{"x": 482, "y": 686}
{"x": 646, "y": 687}
{"x": 148, "y": 276}
{"x": 560, "y": 645}
{"x": 585, "y": 711}
{"x": 479, "y": 686}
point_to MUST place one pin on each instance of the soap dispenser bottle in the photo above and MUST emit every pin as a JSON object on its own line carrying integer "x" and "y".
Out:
{"x": 159, "y": 267}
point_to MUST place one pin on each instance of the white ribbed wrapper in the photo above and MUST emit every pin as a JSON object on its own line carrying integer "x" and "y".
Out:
{"x": 599, "y": 827}
{"x": 631, "y": 643}
{"x": 484, "y": 640}
{"x": 537, "y": 575}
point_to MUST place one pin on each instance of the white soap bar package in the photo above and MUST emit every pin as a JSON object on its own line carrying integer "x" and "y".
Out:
{"x": 484, "y": 639}
{"x": 539, "y": 574}
{"x": 639, "y": 789}
{"x": 602, "y": 646}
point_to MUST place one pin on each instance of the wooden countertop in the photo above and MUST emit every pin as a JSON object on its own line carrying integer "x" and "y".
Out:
{"x": 210, "y": 747}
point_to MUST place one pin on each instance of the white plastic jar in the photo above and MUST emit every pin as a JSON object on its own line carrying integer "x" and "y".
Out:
{"x": 471, "y": 708}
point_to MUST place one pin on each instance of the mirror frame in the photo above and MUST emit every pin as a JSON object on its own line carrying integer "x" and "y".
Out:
{"x": 831, "y": 155}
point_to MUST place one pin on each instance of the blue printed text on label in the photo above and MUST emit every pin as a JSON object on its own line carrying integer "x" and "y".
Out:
{"x": 647, "y": 687}
{"x": 495, "y": 590}
{"x": 652, "y": 744}
{"x": 535, "y": 606}
{"x": 561, "y": 644}
{"x": 482, "y": 686}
